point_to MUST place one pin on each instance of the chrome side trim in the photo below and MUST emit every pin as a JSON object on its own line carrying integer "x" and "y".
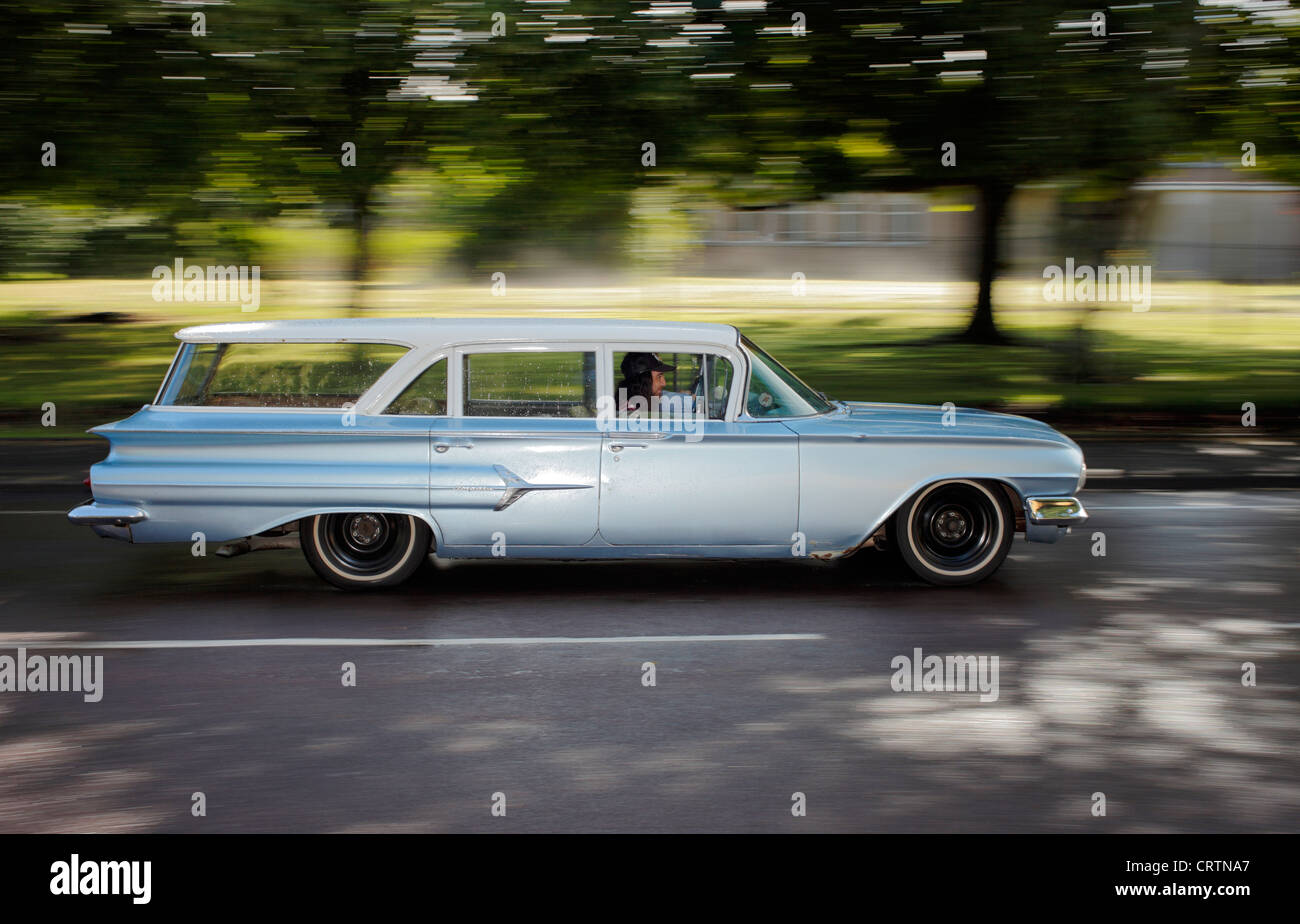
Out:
{"x": 277, "y": 485}
{"x": 515, "y": 434}
{"x": 199, "y": 432}
{"x": 513, "y": 488}
{"x": 516, "y": 487}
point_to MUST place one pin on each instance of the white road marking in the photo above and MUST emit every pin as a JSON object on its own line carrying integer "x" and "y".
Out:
{"x": 415, "y": 642}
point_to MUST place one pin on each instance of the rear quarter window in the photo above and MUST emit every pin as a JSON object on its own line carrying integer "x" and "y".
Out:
{"x": 327, "y": 375}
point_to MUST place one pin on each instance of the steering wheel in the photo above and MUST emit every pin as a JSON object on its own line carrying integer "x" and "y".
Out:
{"x": 697, "y": 391}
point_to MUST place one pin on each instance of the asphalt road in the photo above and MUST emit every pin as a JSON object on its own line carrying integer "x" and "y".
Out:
{"x": 1118, "y": 675}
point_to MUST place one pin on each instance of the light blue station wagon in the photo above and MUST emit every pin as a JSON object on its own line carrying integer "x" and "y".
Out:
{"x": 372, "y": 443}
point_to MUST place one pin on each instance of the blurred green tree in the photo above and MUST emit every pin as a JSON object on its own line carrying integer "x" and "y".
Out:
{"x": 916, "y": 95}
{"x": 539, "y": 116}
{"x": 103, "y": 104}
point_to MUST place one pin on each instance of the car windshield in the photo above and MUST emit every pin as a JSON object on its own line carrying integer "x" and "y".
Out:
{"x": 775, "y": 391}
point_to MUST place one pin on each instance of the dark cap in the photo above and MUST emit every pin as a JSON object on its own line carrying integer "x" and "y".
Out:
{"x": 635, "y": 364}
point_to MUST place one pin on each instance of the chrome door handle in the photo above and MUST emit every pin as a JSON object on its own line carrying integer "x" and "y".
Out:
{"x": 442, "y": 446}
{"x": 619, "y": 447}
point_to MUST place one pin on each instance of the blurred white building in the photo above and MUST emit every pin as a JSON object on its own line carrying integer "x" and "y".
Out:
{"x": 1190, "y": 221}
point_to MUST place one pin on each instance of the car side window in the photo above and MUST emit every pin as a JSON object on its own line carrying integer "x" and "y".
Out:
{"x": 762, "y": 400}
{"x": 426, "y": 396}
{"x": 529, "y": 383}
{"x": 775, "y": 391}
{"x": 695, "y": 380}
{"x": 719, "y": 375}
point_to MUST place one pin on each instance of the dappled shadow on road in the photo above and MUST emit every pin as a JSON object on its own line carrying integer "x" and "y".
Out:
{"x": 1152, "y": 715}
{"x": 1131, "y": 686}
{"x": 1119, "y": 675}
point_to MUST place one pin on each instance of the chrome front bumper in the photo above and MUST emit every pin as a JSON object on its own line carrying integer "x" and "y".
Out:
{"x": 112, "y": 521}
{"x": 1046, "y": 517}
{"x": 1055, "y": 511}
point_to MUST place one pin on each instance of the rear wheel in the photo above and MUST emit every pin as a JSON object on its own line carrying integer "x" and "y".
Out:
{"x": 955, "y": 532}
{"x": 362, "y": 550}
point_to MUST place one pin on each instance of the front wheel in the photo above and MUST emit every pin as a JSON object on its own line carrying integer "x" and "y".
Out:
{"x": 363, "y": 550}
{"x": 955, "y": 532}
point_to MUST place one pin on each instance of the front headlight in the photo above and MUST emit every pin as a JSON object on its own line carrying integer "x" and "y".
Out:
{"x": 1083, "y": 476}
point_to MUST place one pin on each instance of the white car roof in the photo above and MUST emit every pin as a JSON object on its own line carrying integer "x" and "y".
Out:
{"x": 422, "y": 332}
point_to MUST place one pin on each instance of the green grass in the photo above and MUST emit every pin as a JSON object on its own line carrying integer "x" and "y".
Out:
{"x": 1200, "y": 352}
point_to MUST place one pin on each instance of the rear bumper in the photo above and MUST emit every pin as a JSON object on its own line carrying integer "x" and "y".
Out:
{"x": 112, "y": 521}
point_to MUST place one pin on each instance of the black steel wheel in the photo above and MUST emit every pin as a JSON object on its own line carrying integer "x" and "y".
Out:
{"x": 955, "y": 532}
{"x": 363, "y": 550}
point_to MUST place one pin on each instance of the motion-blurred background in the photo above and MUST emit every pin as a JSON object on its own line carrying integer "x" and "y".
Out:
{"x": 922, "y": 201}
{"x": 875, "y": 193}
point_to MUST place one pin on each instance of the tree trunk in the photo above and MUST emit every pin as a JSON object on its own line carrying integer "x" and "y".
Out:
{"x": 360, "y": 245}
{"x": 1105, "y": 222}
{"x": 994, "y": 197}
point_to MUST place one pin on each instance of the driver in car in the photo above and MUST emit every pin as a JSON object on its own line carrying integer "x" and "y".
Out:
{"x": 643, "y": 381}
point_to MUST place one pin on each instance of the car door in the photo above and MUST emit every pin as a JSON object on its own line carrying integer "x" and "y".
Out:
{"x": 516, "y": 463}
{"x": 699, "y": 484}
